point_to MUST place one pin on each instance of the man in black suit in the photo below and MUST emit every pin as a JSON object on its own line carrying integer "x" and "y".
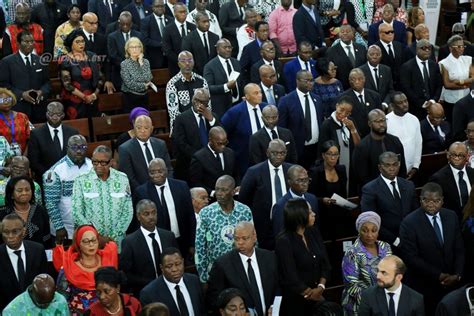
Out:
{"x": 463, "y": 113}
{"x": 136, "y": 153}
{"x": 251, "y": 51}
{"x": 363, "y": 100}
{"x": 21, "y": 260}
{"x": 378, "y": 77}
{"x": 346, "y": 54}
{"x": 432, "y": 246}
{"x": 224, "y": 92}
{"x": 231, "y": 18}
{"x": 306, "y": 26}
{"x": 27, "y": 77}
{"x": 272, "y": 92}
{"x": 392, "y": 52}
{"x": 258, "y": 143}
{"x": 173, "y": 36}
{"x": 116, "y": 49}
{"x": 436, "y": 132}
{"x": 268, "y": 57}
{"x": 174, "y": 206}
{"x": 187, "y": 294}
{"x": 421, "y": 32}
{"x": 262, "y": 186}
{"x": 95, "y": 42}
{"x": 190, "y": 131}
{"x": 206, "y": 168}
{"x": 401, "y": 298}
{"x": 457, "y": 302}
{"x": 420, "y": 79}
{"x": 201, "y": 43}
{"x": 49, "y": 14}
{"x": 139, "y": 11}
{"x": 455, "y": 179}
{"x": 152, "y": 28}
{"x": 106, "y": 10}
{"x": 390, "y": 196}
{"x": 48, "y": 143}
{"x": 366, "y": 155}
{"x": 230, "y": 271}
{"x": 141, "y": 250}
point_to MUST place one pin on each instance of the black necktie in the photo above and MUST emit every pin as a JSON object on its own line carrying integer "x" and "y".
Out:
{"x": 162, "y": 26}
{"x": 278, "y": 192}
{"x": 127, "y": 37}
{"x": 149, "y": 157}
{"x": 391, "y": 305}
{"x": 183, "y": 31}
{"x": 156, "y": 252}
{"x": 254, "y": 287}
{"x": 27, "y": 61}
{"x": 165, "y": 208}
{"x": 274, "y": 134}
{"x": 206, "y": 47}
{"x": 390, "y": 51}
{"x": 202, "y": 131}
{"x": 241, "y": 11}
{"x": 56, "y": 142}
{"x": 351, "y": 55}
{"x": 376, "y": 79}
{"x": 183, "y": 309}
{"x": 219, "y": 161}
{"x": 307, "y": 117}
{"x": 229, "y": 71}
{"x": 463, "y": 189}
{"x": 437, "y": 229}
{"x": 396, "y": 194}
{"x": 426, "y": 79}
{"x": 20, "y": 270}
{"x": 361, "y": 98}
{"x": 306, "y": 65}
{"x": 257, "y": 120}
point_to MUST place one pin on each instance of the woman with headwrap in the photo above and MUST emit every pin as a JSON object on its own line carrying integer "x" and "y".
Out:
{"x": 77, "y": 265}
{"x": 359, "y": 265}
{"x": 136, "y": 112}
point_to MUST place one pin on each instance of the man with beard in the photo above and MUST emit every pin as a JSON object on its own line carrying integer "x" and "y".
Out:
{"x": 401, "y": 298}
{"x": 365, "y": 158}
{"x": 22, "y": 22}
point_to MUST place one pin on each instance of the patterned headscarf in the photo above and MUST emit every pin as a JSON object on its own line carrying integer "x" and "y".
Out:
{"x": 368, "y": 217}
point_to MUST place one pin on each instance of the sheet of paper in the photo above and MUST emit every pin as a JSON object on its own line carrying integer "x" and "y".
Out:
{"x": 342, "y": 202}
{"x": 276, "y": 306}
{"x": 153, "y": 87}
{"x": 234, "y": 75}
{"x": 49, "y": 255}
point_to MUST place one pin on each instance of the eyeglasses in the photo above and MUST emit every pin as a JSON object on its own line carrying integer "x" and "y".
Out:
{"x": 89, "y": 241}
{"x": 457, "y": 155}
{"x": 51, "y": 114}
{"x": 103, "y": 163}
{"x": 459, "y": 46}
{"x": 469, "y": 131}
{"x": 6, "y": 100}
{"x": 332, "y": 155}
{"x": 303, "y": 181}
{"x": 78, "y": 147}
{"x": 93, "y": 23}
{"x": 388, "y": 32}
{"x": 135, "y": 47}
{"x": 425, "y": 47}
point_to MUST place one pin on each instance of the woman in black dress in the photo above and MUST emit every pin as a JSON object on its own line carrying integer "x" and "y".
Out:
{"x": 302, "y": 260}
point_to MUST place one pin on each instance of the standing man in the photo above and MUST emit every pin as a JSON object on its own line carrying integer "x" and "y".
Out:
{"x": 261, "y": 188}
{"x": 398, "y": 27}
{"x": 215, "y": 233}
{"x": 390, "y": 295}
{"x": 142, "y": 249}
{"x": 307, "y": 25}
{"x": 225, "y": 89}
{"x": 301, "y": 112}
{"x": 231, "y": 18}
{"x": 406, "y": 127}
{"x": 95, "y": 41}
{"x": 303, "y": 61}
{"x": 267, "y": 57}
{"x": 272, "y": 92}
{"x": 392, "y": 52}
{"x": 27, "y": 77}
{"x": 173, "y": 204}
{"x": 107, "y": 11}
{"x": 58, "y": 186}
{"x": 201, "y": 6}
{"x": 433, "y": 248}
{"x": 251, "y": 52}
{"x": 48, "y": 143}
{"x": 102, "y": 197}
{"x": 436, "y": 132}
{"x": 280, "y": 22}
{"x": 139, "y": 11}
{"x": 173, "y": 36}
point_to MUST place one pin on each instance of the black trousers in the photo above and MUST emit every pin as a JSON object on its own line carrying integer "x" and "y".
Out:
{"x": 131, "y": 101}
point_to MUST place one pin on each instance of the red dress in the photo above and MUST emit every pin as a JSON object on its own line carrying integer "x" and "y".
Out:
{"x": 21, "y": 125}
{"x": 131, "y": 307}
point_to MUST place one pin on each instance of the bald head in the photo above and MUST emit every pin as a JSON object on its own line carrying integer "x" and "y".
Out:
{"x": 226, "y": 180}
{"x": 374, "y": 114}
{"x": 43, "y": 289}
{"x": 216, "y": 131}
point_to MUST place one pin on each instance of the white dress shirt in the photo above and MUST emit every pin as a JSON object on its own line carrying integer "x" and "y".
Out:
{"x": 142, "y": 146}
{"x": 269, "y": 132}
{"x": 224, "y": 65}
{"x": 171, "y": 207}
{"x": 314, "y": 117}
{"x": 359, "y": 93}
{"x": 23, "y": 57}
{"x": 407, "y": 129}
{"x": 303, "y": 64}
{"x": 256, "y": 271}
{"x": 389, "y": 184}
{"x": 178, "y": 25}
{"x": 149, "y": 243}
{"x": 281, "y": 176}
{"x": 196, "y": 116}
{"x": 385, "y": 46}
{"x": 253, "y": 121}
{"x": 201, "y": 34}
{"x": 14, "y": 258}
{"x": 184, "y": 290}
{"x": 344, "y": 47}
{"x": 456, "y": 179}
{"x": 60, "y": 133}
{"x": 158, "y": 20}
{"x": 420, "y": 66}
{"x": 396, "y": 297}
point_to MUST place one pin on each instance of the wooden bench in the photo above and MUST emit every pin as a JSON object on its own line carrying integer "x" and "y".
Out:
{"x": 161, "y": 76}
{"x": 82, "y": 125}
{"x": 335, "y": 250}
{"x": 92, "y": 146}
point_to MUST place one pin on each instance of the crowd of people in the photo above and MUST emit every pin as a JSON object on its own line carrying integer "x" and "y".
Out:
{"x": 278, "y": 112}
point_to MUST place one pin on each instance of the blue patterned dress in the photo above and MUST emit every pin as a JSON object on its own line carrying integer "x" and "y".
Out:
{"x": 329, "y": 93}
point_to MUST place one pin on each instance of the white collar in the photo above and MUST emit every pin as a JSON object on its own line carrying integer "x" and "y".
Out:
{"x": 272, "y": 167}
{"x": 250, "y": 107}
{"x": 397, "y": 292}
{"x": 12, "y": 251}
{"x": 146, "y": 232}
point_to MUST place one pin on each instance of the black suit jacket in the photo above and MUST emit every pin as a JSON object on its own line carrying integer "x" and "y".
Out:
{"x": 229, "y": 21}
{"x": 255, "y": 75}
{"x": 360, "y": 111}
{"x": 250, "y": 55}
{"x": 193, "y": 43}
{"x": 228, "y": 271}
{"x": 133, "y": 163}
{"x": 40, "y": 150}
{"x": 307, "y": 29}
{"x": 259, "y": 141}
{"x": 186, "y": 141}
{"x": 216, "y": 77}
{"x": 374, "y": 302}
{"x": 103, "y": 13}
{"x": 136, "y": 260}
{"x": 394, "y": 64}
{"x": 337, "y": 54}
{"x": 98, "y": 46}
{"x": 256, "y": 193}
{"x": 411, "y": 83}
{"x": 40, "y": 15}
{"x": 425, "y": 257}
{"x": 431, "y": 140}
{"x": 153, "y": 41}
{"x": 183, "y": 208}
{"x": 171, "y": 45}
{"x": 385, "y": 87}
{"x": 455, "y": 303}
{"x": 377, "y": 197}
{"x": 158, "y": 291}
{"x": 204, "y": 170}
{"x": 278, "y": 93}
{"x": 132, "y": 8}
{"x": 410, "y": 52}
{"x": 35, "y": 264}
{"x": 463, "y": 112}
{"x": 445, "y": 178}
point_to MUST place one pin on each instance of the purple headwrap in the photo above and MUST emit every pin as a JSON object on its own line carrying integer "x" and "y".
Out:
{"x": 368, "y": 217}
{"x": 136, "y": 112}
